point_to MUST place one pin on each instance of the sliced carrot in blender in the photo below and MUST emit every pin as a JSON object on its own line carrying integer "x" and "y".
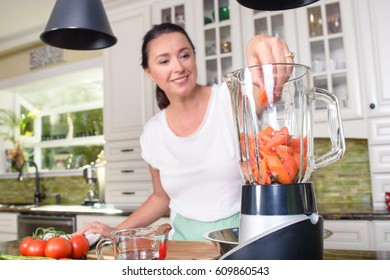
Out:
{"x": 263, "y": 97}
{"x": 280, "y": 137}
{"x": 277, "y": 170}
{"x": 288, "y": 160}
{"x": 264, "y": 173}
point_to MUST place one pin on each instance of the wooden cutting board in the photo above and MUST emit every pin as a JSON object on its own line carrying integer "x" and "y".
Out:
{"x": 177, "y": 250}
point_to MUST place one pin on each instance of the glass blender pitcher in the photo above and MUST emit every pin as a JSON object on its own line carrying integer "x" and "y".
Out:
{"x": 273, "y": 106}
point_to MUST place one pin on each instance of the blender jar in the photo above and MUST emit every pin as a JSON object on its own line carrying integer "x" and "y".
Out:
{"x": 273, "y": 106}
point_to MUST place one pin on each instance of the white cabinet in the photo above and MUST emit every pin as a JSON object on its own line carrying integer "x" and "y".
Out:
{"x": 358, "y": 235}
{"x": 374, "y": 25}
{"x": 128, "y": 105}
{"x": 381, "y": 235}
{"x": 350, "y": 235}
{"x": 8, "y": 226}
{"x": 128, "y": 101}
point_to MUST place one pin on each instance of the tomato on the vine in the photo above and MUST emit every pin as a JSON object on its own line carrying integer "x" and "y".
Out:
{"x": 24, "y": 245}
{"x": 58, "y": 247}
{"x": 80, "y": 246}
{"x": 36, "y": 248}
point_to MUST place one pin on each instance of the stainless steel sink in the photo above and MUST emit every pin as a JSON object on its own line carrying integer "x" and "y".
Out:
{"x": 76, "y": 208}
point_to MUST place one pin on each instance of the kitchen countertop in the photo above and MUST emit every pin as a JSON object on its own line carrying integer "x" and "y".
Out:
{"x": 327, "y": 211}
{"x": 12, "y": 248}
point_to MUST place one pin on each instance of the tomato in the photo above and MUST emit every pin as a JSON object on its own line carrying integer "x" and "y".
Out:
{"x": 58, "y": 247}
{"x": 80, "y": 246}
{"x": 24, "y": 245}
{"x": 36, "y": 247}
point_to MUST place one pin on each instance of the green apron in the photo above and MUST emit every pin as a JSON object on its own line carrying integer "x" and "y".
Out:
{"x": 188, "y": 229}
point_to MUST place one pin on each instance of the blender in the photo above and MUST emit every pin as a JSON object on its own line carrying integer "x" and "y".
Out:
{"x": 273, "y": 106}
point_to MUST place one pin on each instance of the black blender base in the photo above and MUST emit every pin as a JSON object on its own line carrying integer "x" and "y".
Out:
{"x": 299, "y": 241}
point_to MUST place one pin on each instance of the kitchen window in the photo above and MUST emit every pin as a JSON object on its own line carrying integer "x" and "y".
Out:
{"x": 61, "y": 116}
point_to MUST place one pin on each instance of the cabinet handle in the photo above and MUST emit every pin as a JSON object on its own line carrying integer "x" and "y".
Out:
{"x": 372, "y": 106}
{"x": 128, "y": 193}
{"x": 127, "y": 150}
{"x": 127, "y": 171}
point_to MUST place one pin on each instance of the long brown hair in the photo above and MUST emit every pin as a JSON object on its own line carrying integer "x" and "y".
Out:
{"x": 155, "y": 32}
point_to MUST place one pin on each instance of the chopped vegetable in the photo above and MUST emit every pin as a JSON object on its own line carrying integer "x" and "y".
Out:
{"x": 279, "y": 156}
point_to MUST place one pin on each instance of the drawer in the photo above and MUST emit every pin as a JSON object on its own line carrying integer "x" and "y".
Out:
{"x": 379, "y": 158}
{"x": 127, "y": 171}
{"x": 128, "y": 194}
{"x": 122, "y": 150}
{"x": 379, "y": 131}
{"x": 8, "y": 222}
{"x": 381, "y": 235}
{"x": 349, "y": 235}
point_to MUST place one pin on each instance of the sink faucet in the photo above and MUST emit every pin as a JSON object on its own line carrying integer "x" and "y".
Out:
{"x": 38, "y": 194}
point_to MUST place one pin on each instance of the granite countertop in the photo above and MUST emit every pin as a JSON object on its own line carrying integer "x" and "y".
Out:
{"x": 352, "y": 211}
{"x": 12, "y": 248}
{"x": 347, "y": 211}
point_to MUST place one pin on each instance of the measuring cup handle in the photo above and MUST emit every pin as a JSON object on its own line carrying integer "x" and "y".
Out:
{"x": 99, "y": 247}
{"x": 335, "y": 127}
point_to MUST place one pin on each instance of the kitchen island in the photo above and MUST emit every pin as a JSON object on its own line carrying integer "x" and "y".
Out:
{"x": 189, "y": 250}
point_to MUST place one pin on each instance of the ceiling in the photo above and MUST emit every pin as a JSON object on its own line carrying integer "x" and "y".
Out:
{"x": 19, "y": 17}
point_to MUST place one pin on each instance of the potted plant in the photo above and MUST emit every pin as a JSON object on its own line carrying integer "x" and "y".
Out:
{"x": 8, "y": 122}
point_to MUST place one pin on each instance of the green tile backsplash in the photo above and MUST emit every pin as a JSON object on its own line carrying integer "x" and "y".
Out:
{"x": 346, "y": 181}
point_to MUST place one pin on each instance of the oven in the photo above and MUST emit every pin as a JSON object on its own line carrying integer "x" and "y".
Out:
{"x": 28, "y": 223}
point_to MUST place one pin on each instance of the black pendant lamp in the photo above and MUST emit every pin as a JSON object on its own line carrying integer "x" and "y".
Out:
{"x": 274, "y": 5}
{"x": 78, "y": 25}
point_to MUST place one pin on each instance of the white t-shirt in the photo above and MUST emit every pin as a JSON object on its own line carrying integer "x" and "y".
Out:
{"x": 200, "y": 173}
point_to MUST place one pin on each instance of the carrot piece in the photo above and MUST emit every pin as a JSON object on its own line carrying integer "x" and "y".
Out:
{"x": 264, "y": 173}
{"x": 263, "y": 98}
{"x": 288, "y": 160}
{"x": 280, "y": 137}
{"x": 277, "y": 170}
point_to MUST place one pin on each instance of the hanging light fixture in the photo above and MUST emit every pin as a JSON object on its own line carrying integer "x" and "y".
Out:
{"x": 274, "y": 5}
{"x": 78, "y": 25}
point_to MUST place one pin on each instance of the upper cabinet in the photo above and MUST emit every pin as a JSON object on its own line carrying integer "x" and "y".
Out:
{"x": 128, "y": 101}
{"x": 322, "y": 36}
{"x": 218, "y": 39}
{"x": 327, "y": 43}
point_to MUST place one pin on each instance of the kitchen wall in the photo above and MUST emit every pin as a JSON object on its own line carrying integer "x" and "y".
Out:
{"x": 346, "y": 181}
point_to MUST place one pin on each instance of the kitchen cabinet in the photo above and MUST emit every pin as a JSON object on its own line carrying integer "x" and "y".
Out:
{"x": 378, "y": 95}
{"x": 358, "y": 235}
{"x": 8, "y": 226}
{"x": 322, "y": 36}
{"x": 381, "y": 235}
{"x": 352, "y": 235}
{"x": 128, "y": 104}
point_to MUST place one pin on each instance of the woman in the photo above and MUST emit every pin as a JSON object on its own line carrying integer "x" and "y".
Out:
{"x": 189, "y": 145}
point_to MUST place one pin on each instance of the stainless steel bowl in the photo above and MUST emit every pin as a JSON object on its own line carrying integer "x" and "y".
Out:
{"x": 227, "y": 239}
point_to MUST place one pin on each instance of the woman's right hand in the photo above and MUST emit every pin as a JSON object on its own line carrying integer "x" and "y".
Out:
{"x": 94, "y": 228}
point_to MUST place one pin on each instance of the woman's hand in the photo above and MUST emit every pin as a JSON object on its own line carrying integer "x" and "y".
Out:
{"x": 96, "y": 227}
{"x": 264, "y": 49}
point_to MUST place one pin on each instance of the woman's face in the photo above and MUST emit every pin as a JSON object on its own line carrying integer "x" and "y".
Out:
{"x": 172, "y": 64}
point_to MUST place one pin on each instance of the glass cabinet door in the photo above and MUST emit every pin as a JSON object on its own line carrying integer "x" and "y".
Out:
{"x": 330, "y": 52}
{"x": 221, "y": 33}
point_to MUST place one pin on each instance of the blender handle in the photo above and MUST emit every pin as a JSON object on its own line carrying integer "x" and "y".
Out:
{"x": 335, "y": 127}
